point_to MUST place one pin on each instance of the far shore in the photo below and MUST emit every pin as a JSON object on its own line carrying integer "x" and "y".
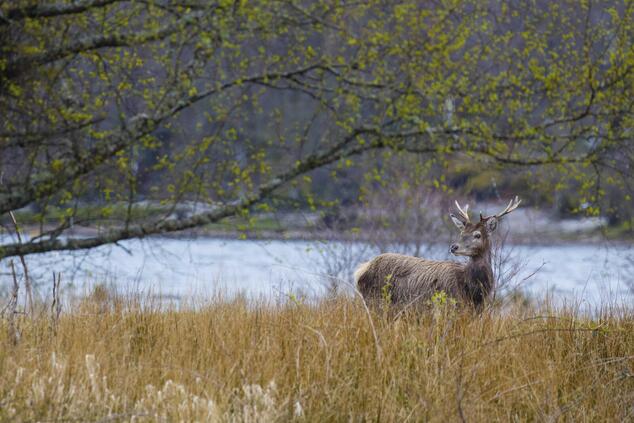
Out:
{"x": 592, "y": 236}
{"x": 527, "y": 226}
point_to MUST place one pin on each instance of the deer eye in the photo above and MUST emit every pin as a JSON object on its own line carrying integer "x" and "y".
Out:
{"x": 477, "y": 235}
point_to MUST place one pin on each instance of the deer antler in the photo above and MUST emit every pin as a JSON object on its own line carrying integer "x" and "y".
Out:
{"x": 512, "y": 205}
{"x": 463, "y": 214}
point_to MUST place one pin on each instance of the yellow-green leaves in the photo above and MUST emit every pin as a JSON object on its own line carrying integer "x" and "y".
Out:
{"x": 250, "y": 92}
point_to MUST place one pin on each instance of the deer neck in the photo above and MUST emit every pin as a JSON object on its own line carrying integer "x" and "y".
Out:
{"x": 479, "y": 278}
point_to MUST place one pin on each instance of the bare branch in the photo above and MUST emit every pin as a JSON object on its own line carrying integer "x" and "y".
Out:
{"x": 27, "y": 280}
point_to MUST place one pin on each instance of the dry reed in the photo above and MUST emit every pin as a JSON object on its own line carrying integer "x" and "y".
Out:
{"x": 123, "y": 360}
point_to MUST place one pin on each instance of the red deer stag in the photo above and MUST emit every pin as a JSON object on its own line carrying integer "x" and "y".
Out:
{"x": 406, "y": 280}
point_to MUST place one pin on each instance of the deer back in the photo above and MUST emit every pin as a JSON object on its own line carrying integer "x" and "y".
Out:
{"x": 405, "y": 278}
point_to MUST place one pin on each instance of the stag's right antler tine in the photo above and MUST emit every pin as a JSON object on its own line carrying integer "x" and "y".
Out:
{"x": 513, "y": 204}
{"x": 464, "y": 213}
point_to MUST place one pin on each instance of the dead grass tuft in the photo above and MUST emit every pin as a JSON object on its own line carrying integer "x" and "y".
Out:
{"x": 245, "y": 362}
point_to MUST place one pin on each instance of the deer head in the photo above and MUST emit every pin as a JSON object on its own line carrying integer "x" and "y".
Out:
{"x": 474, "y": 236}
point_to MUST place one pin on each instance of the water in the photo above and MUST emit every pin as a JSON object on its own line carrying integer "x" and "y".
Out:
{"x": 197, "y": 268}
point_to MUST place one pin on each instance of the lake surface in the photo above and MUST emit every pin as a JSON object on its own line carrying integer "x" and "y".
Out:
{"x": 199, "y": 268}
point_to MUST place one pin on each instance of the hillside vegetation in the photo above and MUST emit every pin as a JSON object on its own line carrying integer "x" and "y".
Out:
{"x": 114, "y": 359}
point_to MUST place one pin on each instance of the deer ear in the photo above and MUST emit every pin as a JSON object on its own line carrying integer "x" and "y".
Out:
{"x": 459, "y": 223}
{"x": 492, "y": 224}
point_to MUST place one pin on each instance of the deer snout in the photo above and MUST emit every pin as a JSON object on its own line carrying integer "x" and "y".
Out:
{"x": 454, "y": 248}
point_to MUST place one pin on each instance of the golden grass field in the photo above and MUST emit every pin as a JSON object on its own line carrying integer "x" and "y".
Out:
{"x": 111, "y": 359}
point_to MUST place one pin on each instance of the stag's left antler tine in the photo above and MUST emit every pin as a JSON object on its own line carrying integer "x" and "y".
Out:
{"x": 464, "y": 213}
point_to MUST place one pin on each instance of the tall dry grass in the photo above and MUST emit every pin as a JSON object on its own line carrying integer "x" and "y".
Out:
{"x": 113, "y": 359}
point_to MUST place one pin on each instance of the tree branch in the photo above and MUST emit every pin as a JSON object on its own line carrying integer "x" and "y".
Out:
{"x": 15, "y": 66}
{"x": 309, "y": 163}
{"x": 46, "y": 183}
{"x": 51, "y": 10}
{"x": 344, "y": 148}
